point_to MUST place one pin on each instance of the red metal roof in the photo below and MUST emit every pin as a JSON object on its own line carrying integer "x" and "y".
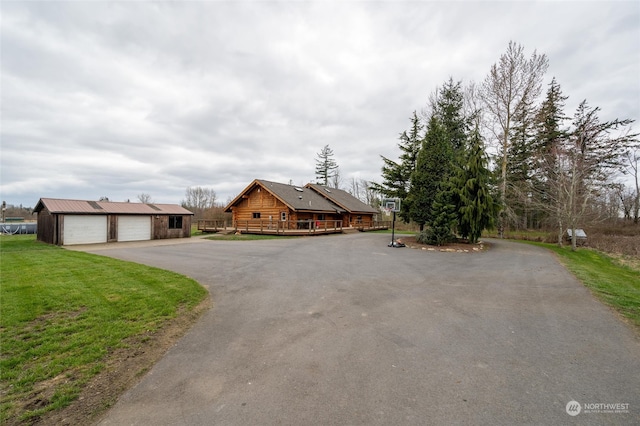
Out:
{"x": 55, "y": 205}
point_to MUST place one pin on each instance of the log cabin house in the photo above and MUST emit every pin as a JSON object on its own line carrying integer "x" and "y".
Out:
{"x": 68, "y": 222}
{"x": 271, "y": 207}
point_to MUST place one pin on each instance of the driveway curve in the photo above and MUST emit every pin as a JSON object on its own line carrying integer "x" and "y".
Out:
{"x": 338, "y": 330}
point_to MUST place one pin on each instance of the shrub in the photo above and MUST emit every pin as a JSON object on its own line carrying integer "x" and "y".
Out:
{"x": 437, "y": 236}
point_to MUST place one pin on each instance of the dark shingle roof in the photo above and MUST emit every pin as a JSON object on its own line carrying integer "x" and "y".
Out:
{"x": 342, "y": 199}
{"x": 298, "y": 198}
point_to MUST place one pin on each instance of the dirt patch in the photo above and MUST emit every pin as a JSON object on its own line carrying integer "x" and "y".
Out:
{"x": 124, "y": 367}
{"x": 457, "y": 247}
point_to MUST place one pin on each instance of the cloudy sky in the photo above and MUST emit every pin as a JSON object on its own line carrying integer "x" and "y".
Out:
{"x": 121, "y": 98}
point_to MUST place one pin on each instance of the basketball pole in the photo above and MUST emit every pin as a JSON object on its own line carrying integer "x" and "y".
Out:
{"x": 393, "y": 229}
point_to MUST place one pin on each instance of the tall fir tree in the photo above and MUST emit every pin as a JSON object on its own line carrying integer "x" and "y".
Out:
{"x": 433, "y": 166}
{"x": 550, "y": 118}
{"x": 520, "y": 165}
{"x": 551, "y": 135}
{"x": 475, "y": 205}
{"x": 326, "y": 166}
{"x": 449, "y": 108}
{"x": 396, "y": 176}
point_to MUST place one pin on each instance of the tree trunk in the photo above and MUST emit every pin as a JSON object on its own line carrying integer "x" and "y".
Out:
{"x": 560, "y": 233}
{"x": 503, "y": 184}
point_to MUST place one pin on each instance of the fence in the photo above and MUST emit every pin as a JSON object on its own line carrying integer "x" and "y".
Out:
{"x": 18, "y": 228}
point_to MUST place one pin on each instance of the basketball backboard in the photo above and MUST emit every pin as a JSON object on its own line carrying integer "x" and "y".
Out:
{"x": 391, "y": 204}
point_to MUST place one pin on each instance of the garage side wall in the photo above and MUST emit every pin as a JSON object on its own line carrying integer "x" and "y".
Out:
{"x": 161, "y": 231}
{"x": 46, "y": 227}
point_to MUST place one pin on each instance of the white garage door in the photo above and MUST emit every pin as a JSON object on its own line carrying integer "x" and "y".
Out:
{"x": 134, "y": 228}
{"x": 84, "y": 229}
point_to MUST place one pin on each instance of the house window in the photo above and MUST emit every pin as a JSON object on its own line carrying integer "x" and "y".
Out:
{"x": 320, "y": 217}
{"x": 175, "y": 222}
{"x": 358, "y": 219}
{"x": 283, "y": 216}
{"x": 256, "y": 215}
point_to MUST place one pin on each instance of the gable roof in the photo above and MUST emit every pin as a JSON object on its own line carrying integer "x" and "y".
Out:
{"x": 56, "y": 205}
{"x": 342, "y": 198}
{"x": 297, "y": 198}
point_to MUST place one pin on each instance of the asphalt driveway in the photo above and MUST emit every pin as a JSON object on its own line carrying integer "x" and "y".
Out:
{"x": 339, "y": 330}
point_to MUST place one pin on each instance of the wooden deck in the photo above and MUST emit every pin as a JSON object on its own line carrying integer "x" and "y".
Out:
{"x": 212, "y": 225}
{"x": 276, "y": 227}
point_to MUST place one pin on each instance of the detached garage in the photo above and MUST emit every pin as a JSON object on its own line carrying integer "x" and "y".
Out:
{"x": 69, "y": 222}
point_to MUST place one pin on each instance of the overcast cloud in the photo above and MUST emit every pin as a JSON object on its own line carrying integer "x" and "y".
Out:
{"x": 121, "y": 98}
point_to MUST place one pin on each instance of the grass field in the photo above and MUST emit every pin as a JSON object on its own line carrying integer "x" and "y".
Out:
{"x": 63, "y": 312}
{"x": 615, "y": 283}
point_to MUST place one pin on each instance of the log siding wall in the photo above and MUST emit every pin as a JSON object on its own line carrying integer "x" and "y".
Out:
{"x": 263, "y": 202}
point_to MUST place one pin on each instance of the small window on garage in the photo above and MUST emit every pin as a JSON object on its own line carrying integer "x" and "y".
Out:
{"x": 256, "y": 215}
{"x": 175, "y": 222}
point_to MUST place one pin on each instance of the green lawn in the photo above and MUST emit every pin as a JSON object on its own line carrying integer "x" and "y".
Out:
{"x": 62, "y": 312}
{"x": 615, "y": 284}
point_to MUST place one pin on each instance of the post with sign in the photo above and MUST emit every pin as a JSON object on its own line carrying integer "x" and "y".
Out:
{"x": 392, "y": 206}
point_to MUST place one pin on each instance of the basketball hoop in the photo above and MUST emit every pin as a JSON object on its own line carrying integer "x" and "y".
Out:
{"x": 390, "y": 205}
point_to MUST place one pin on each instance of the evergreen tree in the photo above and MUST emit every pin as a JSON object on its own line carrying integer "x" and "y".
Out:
{"x": 476, "y": 208}
{"x": 396, "y": 176}
{"x": 433, "y": 165}
{"x": 520, "y": 165}
{"x": 550, "y": 136}
{"x": 550, "y": 117}
{"x": 325, "y": 166}
{"x": 449, "y": 108}
{"x": 443, "y": 218}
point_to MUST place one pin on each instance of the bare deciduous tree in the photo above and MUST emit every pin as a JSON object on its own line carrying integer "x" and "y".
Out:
{"x": 511, "y": 81}
{"x": 145, "y": 198}
{"x": 335, "y": 180}
{"x": 198, "y": 199}
{"x": 632, "y": 166}
{"x": 364, "y": 191}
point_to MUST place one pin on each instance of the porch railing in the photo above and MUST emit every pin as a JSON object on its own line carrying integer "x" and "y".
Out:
{"x": 212, "y": 225}
{"x": 288, "y": 226}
